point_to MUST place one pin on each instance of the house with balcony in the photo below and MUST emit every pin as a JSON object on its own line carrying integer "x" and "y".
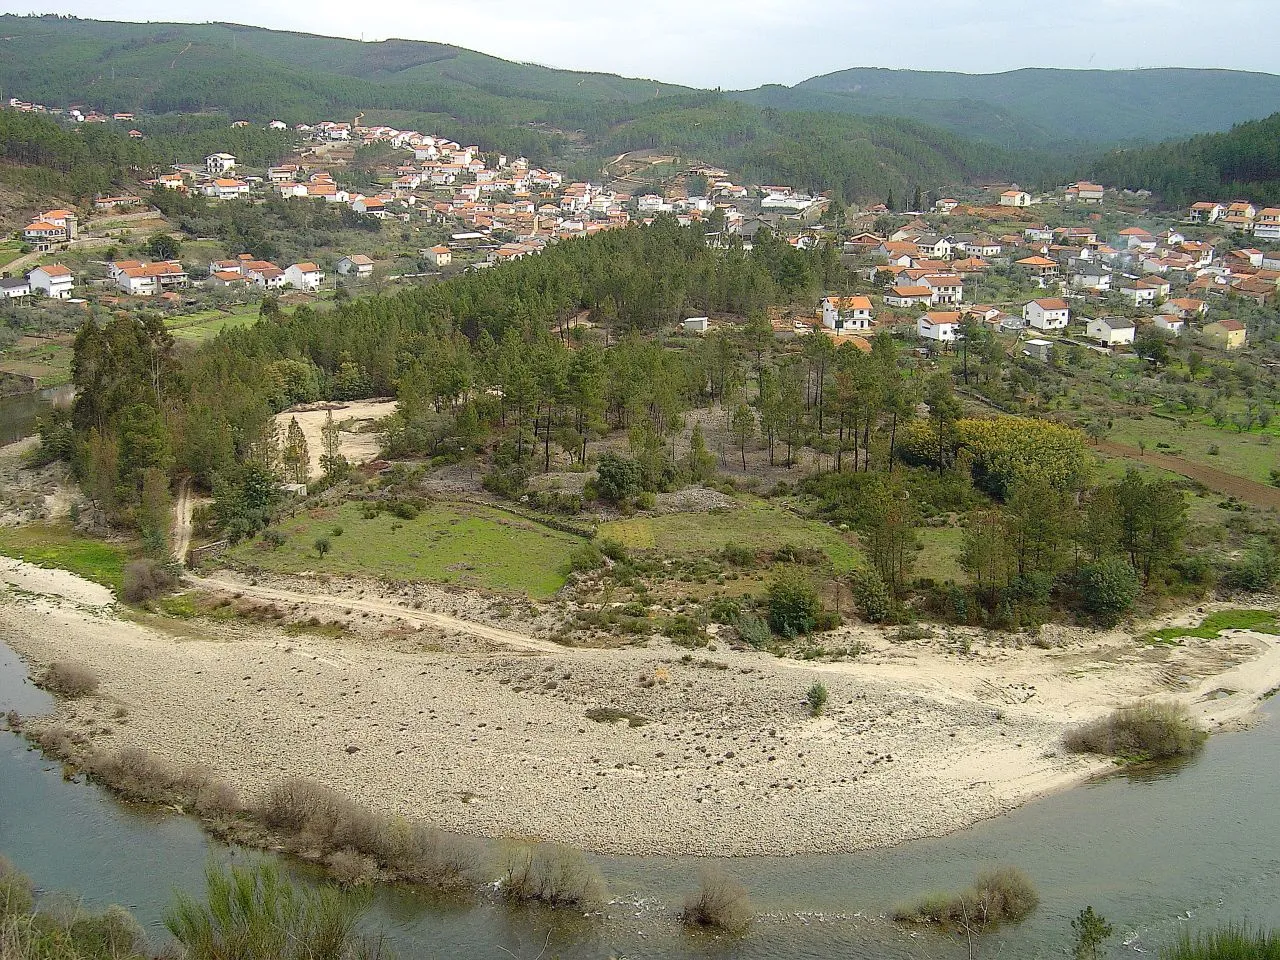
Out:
{"x": 846, "y": 314}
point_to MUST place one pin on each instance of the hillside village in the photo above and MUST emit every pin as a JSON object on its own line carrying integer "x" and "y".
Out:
{"x": 1041, "y": 270}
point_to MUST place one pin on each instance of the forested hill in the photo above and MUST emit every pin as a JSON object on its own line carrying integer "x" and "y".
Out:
{"x": 57, "y": 59}
{"x": 1243, "y": 163}
{"x": 1043, "y": 106}
{"x": 558, "y": 118}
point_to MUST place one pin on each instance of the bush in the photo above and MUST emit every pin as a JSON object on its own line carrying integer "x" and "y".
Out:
{"x": 69, "y": 680}
{"x": 719, "y": 903}
{"x": 817, "y": 698}
{"x": 551, "y": 874}
{"x": 1257, "y": 572}
{"x": 17, "y": 894}
{"x": 273, "y": 538}
{"x": 793, "y": 604}
{"x": 147, "y": 579}
{"x": 320, "y": 818}
{"x": 871, "y": 596}
{"x": 1000, "y": 895}
{"x": 257, "y": 914}
{"x": 142, "y": 777}
{"x": 753, "y": 630}
{"x": 1230, "y": 942}
{"x": 586, "y": 556}
{"x": 618, "y": 479}
{"x": 1107, "y": 589}
{"x": 1141, "y": 732}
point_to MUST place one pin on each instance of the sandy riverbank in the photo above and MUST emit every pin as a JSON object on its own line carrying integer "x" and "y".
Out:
{"x": 487, "y": 738}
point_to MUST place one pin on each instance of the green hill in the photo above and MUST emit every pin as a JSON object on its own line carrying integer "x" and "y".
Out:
{"x": 1043, "y": 106}
{"x": 574, "y": 120}
{"x": 1243, "y": 163}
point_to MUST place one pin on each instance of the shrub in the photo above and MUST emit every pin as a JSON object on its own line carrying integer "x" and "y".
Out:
{"x": 719, "y": 903}
{"x": 1000, "y": 895}
{"x": 1162, "y": 730}
{"x": 793, "y": 604}
{"x": 322, "y": 819}
{"x": 257, "y": 914}
{"x": 323, "y": 546}
{"x": 738, "y": 555}
{"x": 1230, "y": 942}
{"x": 584, "y": 557}
{"x": 17, "y": 894}
{"x": 816, "y": 698}
{"x": 1107, "y": 589}
{"x": 618, "y": 479}
{"x": 69, "y": 679}
{"x": 753, "y": 630}
{"x": 551, "y": 874}
{"x": 273, "y": 538}
{"x": 871, "y": 596}
{"x": 147, "y": 579}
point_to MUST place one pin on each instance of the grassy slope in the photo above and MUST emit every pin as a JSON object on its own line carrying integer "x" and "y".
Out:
{"x": 757, "y": 525}
{"x": 460, "y": 543}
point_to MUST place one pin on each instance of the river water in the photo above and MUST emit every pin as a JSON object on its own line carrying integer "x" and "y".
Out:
{"x": 18, "y": 414}
{"x": 1184, "y": 848}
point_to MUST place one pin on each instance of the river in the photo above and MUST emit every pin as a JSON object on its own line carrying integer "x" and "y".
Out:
{"x": 1154, "y": 854}
{"x": 18, "y": 414}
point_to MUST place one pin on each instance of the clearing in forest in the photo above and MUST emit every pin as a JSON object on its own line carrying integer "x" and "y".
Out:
{"x": 448, "y": 542}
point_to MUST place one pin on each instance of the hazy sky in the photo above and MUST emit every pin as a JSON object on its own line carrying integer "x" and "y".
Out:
{"x": 744, "y": 43}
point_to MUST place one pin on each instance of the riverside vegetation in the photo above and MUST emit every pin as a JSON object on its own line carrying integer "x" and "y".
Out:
{"x": 573, "y": 425}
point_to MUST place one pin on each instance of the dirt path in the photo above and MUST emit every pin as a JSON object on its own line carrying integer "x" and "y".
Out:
{"x": 183, "y": 507}
{"x": 1228, "y": 483}
{"x": 381, "y": 607}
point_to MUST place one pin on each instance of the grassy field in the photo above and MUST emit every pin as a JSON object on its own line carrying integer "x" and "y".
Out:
{"x": 757, "y": 525}
{"x": 454, "y": 542}
{"x": 197, "y": 327}
{"x": 1261, "y": 621}
{"x": 57, "y": 545}
{"x": 1253, "y": 455}
{"x": 940, "y": 558}
{"x": 9, "y": 252}
{"x": 49, "y": 362}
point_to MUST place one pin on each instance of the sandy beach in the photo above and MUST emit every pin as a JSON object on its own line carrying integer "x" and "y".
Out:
{"x": 485, "y": 731}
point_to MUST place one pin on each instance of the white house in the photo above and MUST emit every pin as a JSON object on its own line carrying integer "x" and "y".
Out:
{"x": 1170, "y": 323}
{"x": 1047, "y": 314}
{"x": 216, "y": 164}
{"x": 696, "y": 325}
{"x": 946, "y": 287}
{"x": 1141, "y": 291}
{"x": 940, "y": 327}
{"x": 1267, "y": 224}
{"x": 846, "y": 314}
{"x": 304, "y": 276}
{"x": 14, "y": 289}
{"x": 1111, "y": 331}
{"x": 225, "y": 188}
{"x": 909, "y": 296}
{"x": 1206, "y": 212}
{"x": 440, "y": 255}
{"x": 355, "y": 265}
{"x": 1015, "y": 198}
{"x": 148, "y": 279}
{"x": 1091, "y": 276}
{"x": 55, "y": 280}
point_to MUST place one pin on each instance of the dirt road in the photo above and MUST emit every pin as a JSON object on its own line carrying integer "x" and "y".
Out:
{"x": 183, "y": 507}
{"x": 381, "y": 607}
{"x": 1228, "y": 483}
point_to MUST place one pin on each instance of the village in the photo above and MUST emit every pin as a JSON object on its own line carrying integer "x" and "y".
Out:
{"x": 1046, "y": 269}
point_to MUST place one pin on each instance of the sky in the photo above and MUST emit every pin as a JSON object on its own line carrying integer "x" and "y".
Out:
{"x": 737, "y": 44}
